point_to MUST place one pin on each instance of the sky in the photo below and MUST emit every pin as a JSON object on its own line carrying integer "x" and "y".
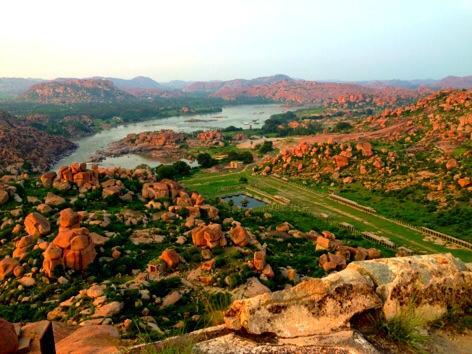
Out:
{"x": 216, "y": 39}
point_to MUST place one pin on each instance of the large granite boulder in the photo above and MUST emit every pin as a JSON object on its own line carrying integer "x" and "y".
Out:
{"x": 314, "y": 306}
{"x": 37, "y": 225}
{"x": 8, "y": 338}
{"x": 430, "y": 284}
{"x": 90, "y": 340}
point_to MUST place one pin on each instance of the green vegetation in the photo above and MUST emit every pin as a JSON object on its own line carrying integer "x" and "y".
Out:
{"x": 278, "y": 123}
{"x": 408, "y": 205}
{"x": 315, "y": 201}
{"x": 342, "y": 127}
{"x": 408, "y": 328}
{"x": 265, "y": 147}
{"x": 175, "y": 171}
{"x": 205, "y": 160}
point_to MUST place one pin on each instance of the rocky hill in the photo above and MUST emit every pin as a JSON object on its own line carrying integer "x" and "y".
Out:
{"x": 324, "y": 93}
{"x": 101, "y": 246}
{"x": 426, "y": 145}
{"x": 69, "y": 91}
{"x": 20, "y": 143}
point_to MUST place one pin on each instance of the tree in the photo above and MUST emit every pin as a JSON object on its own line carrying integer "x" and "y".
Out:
{"x": 342, "y": 126}
{"x": 243, "y": 179}
{"x": 266, "y": 147}
{"x": 182, "y": 168}
{"x": 205, "y": 160}
{"x": 246, "y": 157}
{"x": 165, "y": 171}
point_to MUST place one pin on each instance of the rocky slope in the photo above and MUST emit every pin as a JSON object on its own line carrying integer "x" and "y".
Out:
{"x": 425, "y": 145}
{"x": 68, "y": 91}
{"x": 115, "y": 246}
{"x": 20, "y": 143}
{"x": 164, "y": 145}
{"x": 312, "y": 92}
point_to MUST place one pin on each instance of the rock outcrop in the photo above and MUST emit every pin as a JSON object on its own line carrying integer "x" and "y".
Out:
{"x": 73, "y": 247}
{"x": 37, "y": 225}
{"x": 431, "y": 284}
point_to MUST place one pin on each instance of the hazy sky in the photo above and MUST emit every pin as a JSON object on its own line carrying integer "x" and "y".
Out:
{"x": 223, "y": 39}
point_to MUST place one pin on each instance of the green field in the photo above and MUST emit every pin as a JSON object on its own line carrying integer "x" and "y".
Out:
{"x": 314, "y": 202}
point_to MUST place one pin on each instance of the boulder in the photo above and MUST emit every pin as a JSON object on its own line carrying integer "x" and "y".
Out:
{"x": 314, "y": 306}
{"x": 431, "y": 283}
{"x": 8, "y": 338}
{"x": 7, "y": 265}
{"x": 91, "y": 339}
{"x": 341, "y": 161}
{"x": 73, "y": 246}
{"x": 170, "y": 257}
{"x": 171, "y": 299}
{"x": 48, "y": 178}
{"x": 259, "y": 260}
{"x": 36, "y": 225}
{"x": 53, "y": 199}
{"x": 69, "y": 219}
{"x": 210, "y": 236}
{"x": 147, "y": 236}
{"x": 251, "y": 288}
{"x": 4, "y": 196}
{"x": 165, "y": 189}
{"x": 451, "y": 163}
{"x": 52, "y": 258}
{"x": 108, "y": 310}
{"x": 23, "y": 245}
{"x": 323, "y": 243}
{"x": 365, "y": 148}
{"x": 239, "y": 236}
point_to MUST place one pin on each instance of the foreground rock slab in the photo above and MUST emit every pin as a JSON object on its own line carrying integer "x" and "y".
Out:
{"x": 89, "y": 340}
{"x": 340, "y": 343}
{"x": 430, "y": 284}
{"x": 315, "y": 306}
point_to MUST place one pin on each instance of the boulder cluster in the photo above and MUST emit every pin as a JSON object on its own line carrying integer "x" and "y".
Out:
{"x": 339, "y": 255}
{"x": 73, "y": 246}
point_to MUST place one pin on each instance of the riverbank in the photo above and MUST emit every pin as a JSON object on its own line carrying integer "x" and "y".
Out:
{"x": 229, "y": 116}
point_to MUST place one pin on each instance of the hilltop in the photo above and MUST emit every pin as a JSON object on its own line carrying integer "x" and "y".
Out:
{"x": 68, "y": 91}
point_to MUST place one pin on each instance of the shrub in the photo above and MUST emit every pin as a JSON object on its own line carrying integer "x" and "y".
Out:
{"x": 266, "y": 147}
{"x": 205, "y": 160}
{"x": 407, "y": 327}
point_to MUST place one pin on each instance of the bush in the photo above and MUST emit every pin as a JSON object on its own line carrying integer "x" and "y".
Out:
{"x": 407, "y": 327}
{"x": 342, "y": 127}
{"x": 174, "y": 171}
{"x": 266, "y": 147}
{"x": 243, "y": 179}
{"x": 205, "y": 160}
{"x": 243, "y": 156}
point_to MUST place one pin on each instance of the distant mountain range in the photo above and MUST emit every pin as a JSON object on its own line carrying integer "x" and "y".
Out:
{"x": 447, "y": 82}
{"x": 277, "y": 87}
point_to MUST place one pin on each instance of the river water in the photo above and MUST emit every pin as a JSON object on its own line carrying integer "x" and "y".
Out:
{"x": 244, "y": 116}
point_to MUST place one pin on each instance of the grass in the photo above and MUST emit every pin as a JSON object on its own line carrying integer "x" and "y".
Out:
{"x": 315, "y": 202}
{"x": 407, "y": 328}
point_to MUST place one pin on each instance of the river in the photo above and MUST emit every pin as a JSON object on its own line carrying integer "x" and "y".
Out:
{"x": 243, "y": 116}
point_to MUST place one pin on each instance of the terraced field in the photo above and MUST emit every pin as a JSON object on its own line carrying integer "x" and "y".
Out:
{"x": 313, "y": 202}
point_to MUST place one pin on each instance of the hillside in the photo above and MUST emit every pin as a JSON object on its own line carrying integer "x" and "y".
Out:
{"x": 148, "y": 254}
{"x": 69, "y": 91}
{"x": 323, "y": 93}
{"x": 19, "y": 143}
{"x": 420, "y": 153}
